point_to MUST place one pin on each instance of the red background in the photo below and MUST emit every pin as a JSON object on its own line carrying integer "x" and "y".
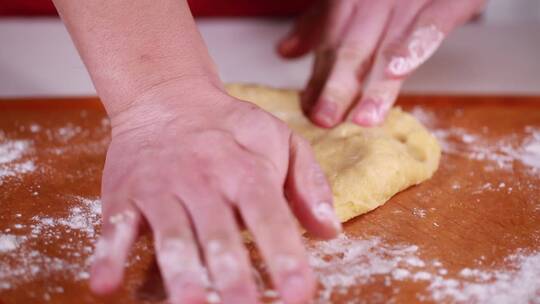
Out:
{"x": 200, "y": 8}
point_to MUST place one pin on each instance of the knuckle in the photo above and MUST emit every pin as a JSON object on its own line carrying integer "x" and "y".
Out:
{"x": 274, "y": 222}
{"x": 177, "y": 256}
{"x": 121, "y": 218}
{"x": 352, "y": 52}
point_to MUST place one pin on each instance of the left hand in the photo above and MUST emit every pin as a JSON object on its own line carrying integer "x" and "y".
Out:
{"x": 385, "y": 40}
{"x": 192, "y": 160}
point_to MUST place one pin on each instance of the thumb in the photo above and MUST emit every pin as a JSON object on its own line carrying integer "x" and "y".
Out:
{"x": 308, "y": 192}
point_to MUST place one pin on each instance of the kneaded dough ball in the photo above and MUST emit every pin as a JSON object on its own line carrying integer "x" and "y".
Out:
{"x": 365, "y": 166}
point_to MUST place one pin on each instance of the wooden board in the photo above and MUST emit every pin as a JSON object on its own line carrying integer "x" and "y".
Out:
{"x": 470, "y": 234}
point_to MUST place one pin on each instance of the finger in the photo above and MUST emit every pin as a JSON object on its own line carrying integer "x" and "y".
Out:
{"x": 378, "y": 98}
{"x": 119, "y": 231}
{"x": 119, "y": 228}
{"x": 308, "y": 191}
{"x": 399, "y": 56}
{"x": 381, "y": 91}
{"x": 176, "y": 249}
{"x": 339, "y": 14}
{"x": 305, "y": 34}
{"x": 264, "y": 210}
{"x": 352, "y": 57}
{"x": 321, "y": 68}
{"x": 222, "y": 246}
{"x": 432, "y": 25}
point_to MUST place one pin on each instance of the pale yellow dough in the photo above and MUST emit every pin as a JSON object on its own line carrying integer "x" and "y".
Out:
{"x": 365, "y": 166}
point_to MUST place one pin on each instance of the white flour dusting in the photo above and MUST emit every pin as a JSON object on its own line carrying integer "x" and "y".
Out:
{"x": 419, "y": 212}
{"x": 35, "y": 128}
{"x": 428, "y": 118}
{"x": 531, "y": 149}
{"x": 21, "y": 263}
{"x": 520, "y": 284}
{"x": 503, "y": 152}
{"x": 84, "y": 218}
{"x": 9, "y": 242}
{"x": 67, "y": 132}
{"x": 344, "y": 263}
{"x": 12, "y": 150}
{"x": 12, "y": 163}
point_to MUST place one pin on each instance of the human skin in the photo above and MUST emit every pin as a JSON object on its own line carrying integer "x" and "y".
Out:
{"x": 186, "y": 157}
{"x": 365, "y": 49}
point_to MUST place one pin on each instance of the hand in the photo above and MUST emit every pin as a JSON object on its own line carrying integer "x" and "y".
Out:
{"x": 359, "y": 39}
{"x": 187, "y": 160}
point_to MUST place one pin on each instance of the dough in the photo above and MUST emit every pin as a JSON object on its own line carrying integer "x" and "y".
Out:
{"x": 365, "y": 166}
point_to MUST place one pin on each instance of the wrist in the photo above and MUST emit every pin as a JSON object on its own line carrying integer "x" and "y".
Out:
{"x": 119, "y": 87}
{"x": 183, "y": 96}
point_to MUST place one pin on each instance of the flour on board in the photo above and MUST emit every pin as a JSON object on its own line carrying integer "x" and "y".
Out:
{"x": 502, "y": 152}
{"x": 20, "y": 263}
{"x": 345, "y": 262}
{"x": 12, "y": 163}
{"x": 340, "y": 264}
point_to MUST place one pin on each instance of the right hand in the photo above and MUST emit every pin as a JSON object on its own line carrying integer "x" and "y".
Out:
{"x": 187, "y": 158}
{"x": 364, "y": 51}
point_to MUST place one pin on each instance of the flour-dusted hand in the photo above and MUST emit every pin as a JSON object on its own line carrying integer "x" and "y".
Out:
{"x": 188, "y": 158}
{"x": 378, "y": 43}
{"x": 188, "y": 168}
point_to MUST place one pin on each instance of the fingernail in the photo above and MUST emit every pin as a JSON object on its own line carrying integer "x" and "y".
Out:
{"x": 423, "y": 43}
{"x": 367, "y": 114}
{"x": 324, "y": 212}
{"x": 325, "y": 113}
{"x": 103, "y": 279}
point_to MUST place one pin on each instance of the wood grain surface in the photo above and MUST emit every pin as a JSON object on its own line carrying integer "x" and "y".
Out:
{"x": 470, "y": 234}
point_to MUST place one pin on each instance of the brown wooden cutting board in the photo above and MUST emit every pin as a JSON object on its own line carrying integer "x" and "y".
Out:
{"x": 469, "y": 234}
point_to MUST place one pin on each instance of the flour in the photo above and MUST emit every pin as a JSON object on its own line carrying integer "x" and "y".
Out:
{"x": 21, "y": 263}
{"x": 427, "y": 118}
{"x": 13, "y": 150}
{"x": 520, "y": 284}
{"x": 9, "y": 242}
{"x": 419, "y": 212}
{"x": 531, "y": 149}
{"x": 502, "y": 152}
{"x": 422, "y": 44}
{"x": 67, "y": 132}
{"x": 35, "y": 128}
{"x": 16, "y": 170}
{"x": 12, "y": 163}
{"x": 344, "y": 263}
{"x": 84, "y": 218}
